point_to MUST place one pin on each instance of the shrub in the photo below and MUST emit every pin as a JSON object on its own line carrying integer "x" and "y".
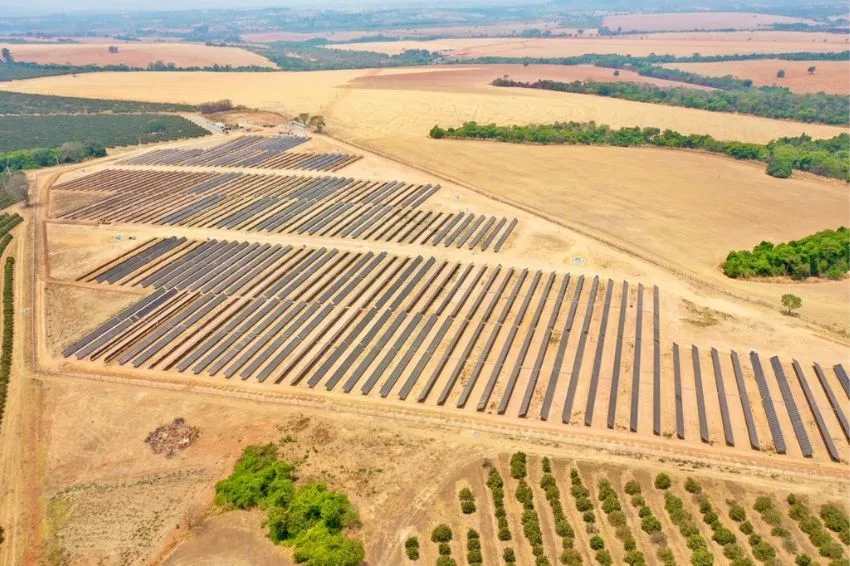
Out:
{"x": 584, "y": 505}
{"x": 650, "y": 525}
{"x": 547, "y": 466}
{"x": 644, "y": 511}
{"x": 804, "y": 560}
{"x": 446, "y": 561}
{"x": 696, "y": 541}
{"x": 691, "y": 486}
{"x": 467, "y": 507}
{"x": 763, "y": 503}
{"x": 632, "y": 487}
{"x": 518, "y": 465}
{"x": 474, "y": 557}
{"x": 411, "y": 546}
{"x": 617, "y": 518}
{"x": 763, "y": 551}
{"x": 723, "y": 536}
{"x": 571, "y": 557}
{"x": 662, "y": 481}
{"x": 610, "y": 504}
{"x": 596, "y": 543}
{"x": 737, "y": 513}
{"x": 466, "y": 495}
{"x": 702, "y": 557}
{"x": 638, "y": 501}
{"x": 779, "y": 168}
{"x": 780, "y": 532}
{"x": 508, "y": 555}
{"x": 504, "y": 533}
{"x": 834, "y": 518}
{"x": 746, "y": 528}
{"x": 603, "y": 557}
{"x": 588, "y": 517}
{"x": 635, "y": 558}
{"x": 445, "y": 549}
{"x": 441, "y": 533}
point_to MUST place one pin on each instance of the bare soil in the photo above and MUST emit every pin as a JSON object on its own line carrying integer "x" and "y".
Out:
{"x": 685, "y": 21}
{"x": 830, "y": 76}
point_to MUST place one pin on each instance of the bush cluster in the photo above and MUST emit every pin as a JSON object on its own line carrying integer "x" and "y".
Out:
{"x": 497, "y": 488}
{"x": 509, "y": 556}
{"x": 584, "y": 505}
{"x": 569, "y": 555}
{"x": 675, "y": 507}
{"x": 824, "y": 254}
{"x": 611, "y": 506}
{"x": 473, "y": 548}
{"x": 411, "y": 547}
{"x": 518, "y": 465}
{"x": 836, "y": 521}
{"x": 820, "y": 538}
{"x": 8, "y": 329}
{"x": 650, "y": 524}
{"x": 467, "y": 501}
{"x": 722, "y": 535}
{"x": 530, "y": 519}
{"x": 308, "y": 517}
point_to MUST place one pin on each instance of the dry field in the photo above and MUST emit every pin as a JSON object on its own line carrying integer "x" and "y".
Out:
{"x": 455, "y": 77}
{"x": 684, "y": 21}
{"x": 136, "y": 54}
{"x": 831, "y": 76}
{"x": 681, "y": 44}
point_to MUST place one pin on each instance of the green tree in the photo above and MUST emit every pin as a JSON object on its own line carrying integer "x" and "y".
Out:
{"x": 72, "y": 152}
{"x": 791, "y": 302}
{"x": 616, "y": 72}
{"x": 779, "y": 168}
{"x": 780, "y": 74}
{"x": 441, "y": 533}
{"x": 812, "y": 70}
{"x": 662, "y": 481}
{"x": 317, "y": 123}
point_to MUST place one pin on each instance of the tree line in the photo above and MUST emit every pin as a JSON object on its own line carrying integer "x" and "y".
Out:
{"x": 768, "y": 102}
{"x": 823, "y": 254}
{"x": 828, "y": 158}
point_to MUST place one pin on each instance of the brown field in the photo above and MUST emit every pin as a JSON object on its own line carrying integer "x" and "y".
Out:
{"x": 461, "y": 77}
{"x": 830, "y": 76}
{"x": 681, "y": 44}
{"x": 684, "y": 21}
{"x": 136, "y": 54}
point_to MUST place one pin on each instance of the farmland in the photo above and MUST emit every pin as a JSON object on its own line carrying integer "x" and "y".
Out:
{"x": 829, "y": 76}
{"x": 420, "y": 349}
{"x": 685, "y": 21}
{"x": 23, "y": 132}
{"x": 135, "y": 54}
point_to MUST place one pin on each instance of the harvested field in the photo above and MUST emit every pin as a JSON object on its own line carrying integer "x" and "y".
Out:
{"x": 682, "y": 44}
{"x": 831, "y": 76}
{"x": 360, "y": 114}
{"x": 462, "y": 77}
{"x": 685, "y": 21}
{"x": 135, "y": 54}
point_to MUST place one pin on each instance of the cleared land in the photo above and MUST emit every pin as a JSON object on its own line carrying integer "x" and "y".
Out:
{"x": 136, "y": 54}
{"x": 830, "y": 76}
{"x": 682, "y": 44}
{"x": 684, "y": 21}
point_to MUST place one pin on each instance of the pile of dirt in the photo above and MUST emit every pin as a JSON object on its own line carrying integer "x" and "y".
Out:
{"x": 172, "y": 438}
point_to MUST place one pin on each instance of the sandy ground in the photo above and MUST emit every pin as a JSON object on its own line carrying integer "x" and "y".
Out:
{"x": 682, "y": 44}
{"x": 830, "y": 76}
{"x": 685, "y": 21}
{"x": 135, "y": 54}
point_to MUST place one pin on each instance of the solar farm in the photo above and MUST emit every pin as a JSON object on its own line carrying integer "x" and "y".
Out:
{"x": 293, "y": 283}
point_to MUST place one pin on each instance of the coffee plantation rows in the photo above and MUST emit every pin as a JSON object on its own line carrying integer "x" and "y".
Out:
{"x": 646, "y": 518}
{"x": 27, "y": 132}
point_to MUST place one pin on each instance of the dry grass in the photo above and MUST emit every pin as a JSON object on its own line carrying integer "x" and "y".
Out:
{"x": 696, "y": 20}
{"x": 136, "y": 54}
{"x": 830, "y": 76}
{"x": 682, "y": 44}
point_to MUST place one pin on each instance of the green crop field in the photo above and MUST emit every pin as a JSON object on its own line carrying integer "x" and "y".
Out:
{"x": 19, "y": 103}
{"x": 25, "y": 132}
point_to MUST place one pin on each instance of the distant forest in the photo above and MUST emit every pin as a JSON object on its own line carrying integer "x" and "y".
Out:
{"x": 828, "y": 158}
{"x": 768, "y": 102}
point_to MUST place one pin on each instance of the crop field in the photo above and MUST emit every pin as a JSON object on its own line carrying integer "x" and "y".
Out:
{"x": 251, "y": 152}
{"x": 686, "y": 21}
{"x": 829, "y": 76}
{"x": 135, "y": 54}
{"x": 682, "y": 44}
{"x": 22, "y": 132}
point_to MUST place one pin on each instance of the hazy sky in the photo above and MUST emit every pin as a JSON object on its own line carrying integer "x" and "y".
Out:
{"x": 21, "y": 6}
